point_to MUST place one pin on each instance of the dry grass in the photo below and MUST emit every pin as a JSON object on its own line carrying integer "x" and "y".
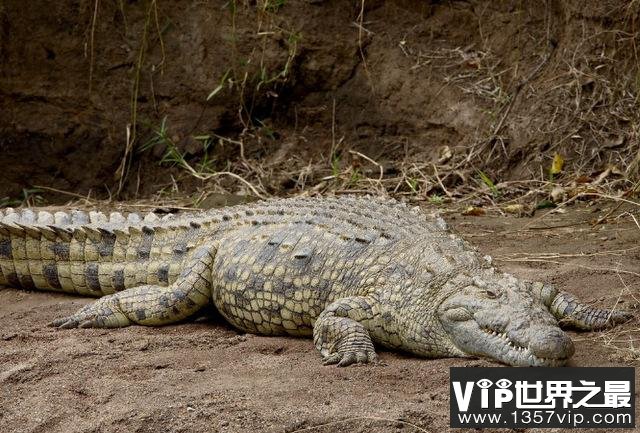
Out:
{"x": 582, "y": 104}
{"x": 588, "y": 114}
{"x": 623, "y": 341}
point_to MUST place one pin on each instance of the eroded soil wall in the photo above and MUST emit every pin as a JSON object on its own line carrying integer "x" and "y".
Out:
{"x": 499, "y": 86}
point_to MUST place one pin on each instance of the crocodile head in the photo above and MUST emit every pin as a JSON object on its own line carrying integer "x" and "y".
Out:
{"x": 498, "y": 317}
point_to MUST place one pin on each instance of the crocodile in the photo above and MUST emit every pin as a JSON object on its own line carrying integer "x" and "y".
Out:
{"x": 352, "y": 272}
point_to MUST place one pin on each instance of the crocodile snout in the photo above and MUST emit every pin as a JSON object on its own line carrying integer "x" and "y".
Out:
{"x": 550, "y": 342}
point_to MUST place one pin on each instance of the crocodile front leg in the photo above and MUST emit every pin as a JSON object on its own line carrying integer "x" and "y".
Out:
{"x": 341, "y": 331}
{"x": 150, "y": 305}
{"x": 571, "y": 312}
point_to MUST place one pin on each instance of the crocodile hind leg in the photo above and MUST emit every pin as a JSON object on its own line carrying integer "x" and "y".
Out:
{"x": 150, "y": 305}
{"x": 572, "y": 313}
{"x": 340, "y": 332}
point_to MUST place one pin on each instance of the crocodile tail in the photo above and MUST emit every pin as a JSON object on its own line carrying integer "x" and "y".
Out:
{"x": 87, "y": 253}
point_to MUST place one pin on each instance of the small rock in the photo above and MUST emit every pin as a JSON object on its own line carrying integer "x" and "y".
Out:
{"x": 295, "y": 425}
{"x": 558, "y": 194}
{"x": 143, "y": 345}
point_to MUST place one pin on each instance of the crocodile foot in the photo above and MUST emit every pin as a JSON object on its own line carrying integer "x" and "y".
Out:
{"x": 103, "y": 313}
{"x": 346, "y": 358}
{"x": 340, "y": 334}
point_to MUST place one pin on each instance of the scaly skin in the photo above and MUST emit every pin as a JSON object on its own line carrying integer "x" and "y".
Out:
{"x": 352, "y": 272}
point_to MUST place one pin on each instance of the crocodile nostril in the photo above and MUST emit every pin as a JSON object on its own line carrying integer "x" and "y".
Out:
{"x": 459, "y": 314}
{"x": 550, "y": 342}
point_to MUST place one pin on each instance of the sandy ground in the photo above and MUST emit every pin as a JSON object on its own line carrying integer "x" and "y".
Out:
{"x": 204, "y": 376}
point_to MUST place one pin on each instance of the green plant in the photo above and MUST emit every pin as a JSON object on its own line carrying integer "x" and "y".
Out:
{"x": 489, "y": 183}
{"x": 132, "y": 128}
{"x": 173, "y": 156}
{"x": 266, "y": 130}
{"x": 252, "y": 76}
{"x": 292, "y": 48}
{"x": 28, "y": 197}
{"x": 412, "y": 182}
{"x": 436, "y": 199}
{"x": 335, "y": 165}
{"x": 355, "y": 177}
{"x": 160, "y": 136}
{"x": 206, "y": 165}
{"x": 273, "y": 6}
{"x": 221, "y": 84}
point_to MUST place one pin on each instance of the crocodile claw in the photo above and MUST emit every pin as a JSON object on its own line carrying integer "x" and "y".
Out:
{"x": 70, "y": 322}
{"x": 103, "y": 313}
{"x": 63, "y": 323}
{"x": 348, "y": 358}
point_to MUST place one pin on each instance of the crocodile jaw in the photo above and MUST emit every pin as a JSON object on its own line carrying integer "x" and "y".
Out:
{"x": 518, "y": 334}
{"x": 505, "y": 350}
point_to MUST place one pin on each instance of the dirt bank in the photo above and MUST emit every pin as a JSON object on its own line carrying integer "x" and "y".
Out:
{"x": 280, "y": 92}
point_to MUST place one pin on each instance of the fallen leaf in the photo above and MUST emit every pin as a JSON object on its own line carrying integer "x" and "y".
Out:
{"x": 474, "y": 211}
{"x": 557, "y": 164}
{"x": 519, "y": 209}
{"x": 513, "y": 208}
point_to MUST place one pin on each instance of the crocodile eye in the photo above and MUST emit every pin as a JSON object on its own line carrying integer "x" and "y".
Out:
{"x": 490, "y": 294}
